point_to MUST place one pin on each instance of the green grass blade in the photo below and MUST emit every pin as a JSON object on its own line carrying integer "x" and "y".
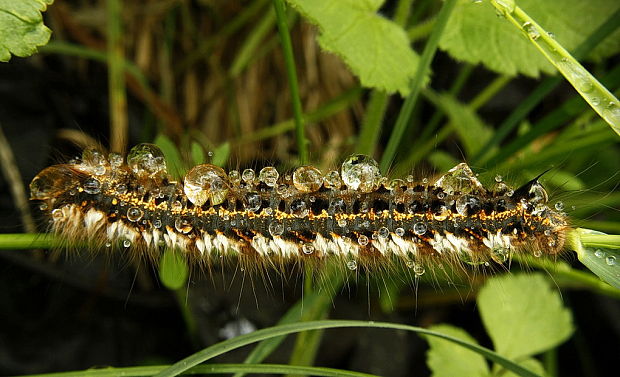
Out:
{"x": 599, "y": 252}
{"x": 555, "y": 119}
{"x": 209, "y": 369}
{"x": 550, "y": 83}
{"x": 291, "y": 72}
{"x": 243, "y": 340}
{"x": 597, "y": 96}
{"x": 30, "y": 241}
{"x": 371, "y": 126}
{"x": 416, "y": 85}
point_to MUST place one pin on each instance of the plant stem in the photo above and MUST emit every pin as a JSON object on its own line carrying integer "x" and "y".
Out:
{"x": 289, "y": 61}
{"x": 116, "y": 78}
{"x": 416, "y": 84}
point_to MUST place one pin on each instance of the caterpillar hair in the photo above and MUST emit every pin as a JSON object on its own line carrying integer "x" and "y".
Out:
{"x": 355, "y": 215}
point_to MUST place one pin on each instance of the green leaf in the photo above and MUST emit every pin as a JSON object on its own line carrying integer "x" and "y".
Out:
{"x": 221, "y": 154}
{"x": 477, "y": 35}
{"x": 198, "y": 154}
{"x": 21, "y": 27}
{"x": 599, "y": 252}
{"x": 173, "y": 269}
{"x": 173, "y": 157}
{"x": 448, "y": 359}
{"x": 376, "y": 49}
{"x": 523, "y": 315}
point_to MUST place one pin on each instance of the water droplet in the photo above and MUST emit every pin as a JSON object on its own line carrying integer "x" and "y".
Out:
{"x": 506, "y": 6}
{"x": 419, "y": 228}
{"x": 599, "y": 253}
{"x": 611, "y": 260}
{"x": 116, "y": 160}
{"x": 248, "y": 175}
{"x": 498, "y": 178}
{"x": 352, "y": 265}
{"x": 612, "y": 114}
{"x": 268, "y": 211}
{"x": 134, "y": 214}
{"x": 441, "y": 195}
{"x": 342, "y": 223}
{"x": 418, "y": 269}
{"x": 538, "y": 194}
{"x": 531, "y": 30}
{"x": 210, "y": 153}
{"x": 577, "y": 75}
{"x": 307, "y": 179}
{"x": 269, "y": 176}
{"x": 399, "y": 232}
{"x": 176, "y": 206}
{"x": 57, "y": 214}
{"x": 126, "y": 243}
{"x": 360, "y": 172}
{"x": 43, "y": 206}
{"x": 595, "y": 101}
{"x": 332, "y": 180}
{"x": 551, "y": 35}
{"x": 121, "y": 189}
{"x": 92, "y": 186}
{"x": 500, "y": 255}
{"x": 551, "y": 243}
{"x": 537, "y": 253}
{"x": 459, "y": 179}
{"x": 298, "y": 207}
{"x": 424, "y": 180}
{"x": 108, "y": 244}
{"x": 409, "y": 263}
{"x": 146, "y": 159}
{"x": 94, "y": 161}
{"x": 462, "y": 203}
{"x": 284, "y": 190}
{"x": 307, "y": 248}
{"x": 183, "y": 225}
{"x": 362, "y": 240}
{"x": 547, "y": 232}
{"x": 559, "y": 206}
{"x": 476, "y": 1}
{"x": 206, "y": 182}
{"x": 234, "y": 176}
{"x": 384, "y": 232}
{"x": 254, "y": 202}
{"x": 276, "y": 228}
{"x": 51, "y": 182}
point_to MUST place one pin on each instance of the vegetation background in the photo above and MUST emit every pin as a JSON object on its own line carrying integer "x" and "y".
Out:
{"x": 209, "y": 80}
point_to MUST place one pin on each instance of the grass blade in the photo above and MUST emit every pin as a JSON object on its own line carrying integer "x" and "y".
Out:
{"x": 243, "y": 340}
{"x": 597, "y": 96}
{"x": 416, "y": 85}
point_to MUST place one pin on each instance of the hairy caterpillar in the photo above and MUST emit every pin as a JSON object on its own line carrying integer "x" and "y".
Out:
{"x": 355, "y": 214}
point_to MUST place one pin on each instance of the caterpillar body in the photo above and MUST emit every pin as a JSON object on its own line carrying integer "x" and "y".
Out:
{"x": 354, "y": 214}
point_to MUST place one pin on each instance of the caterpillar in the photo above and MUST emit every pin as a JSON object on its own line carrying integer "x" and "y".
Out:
{"x": 355, "y": 214}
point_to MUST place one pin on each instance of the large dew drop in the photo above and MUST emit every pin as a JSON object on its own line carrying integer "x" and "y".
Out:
{"x": 460, "y": 179}
{"x": 51, "y": 182}
{"x": 360, "y": 172}
{"x": 307, "y": 179}
{"x": 206, "y": 182}
{"x": 146, "y": 159}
